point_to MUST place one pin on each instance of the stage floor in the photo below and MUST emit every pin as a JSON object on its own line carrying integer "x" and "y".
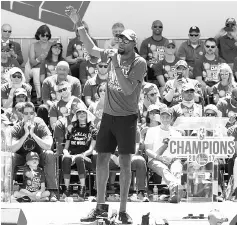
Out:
{"x": 62, "y": 213}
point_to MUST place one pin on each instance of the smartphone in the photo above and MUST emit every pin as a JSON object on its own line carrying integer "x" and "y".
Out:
{"x": 179, "y": 76}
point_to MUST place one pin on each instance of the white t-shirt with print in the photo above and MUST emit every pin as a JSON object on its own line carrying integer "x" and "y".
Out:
{"x": 155, "y": 137}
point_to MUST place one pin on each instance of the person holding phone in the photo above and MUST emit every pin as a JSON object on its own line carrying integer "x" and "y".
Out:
{"x": 173, "y": 88}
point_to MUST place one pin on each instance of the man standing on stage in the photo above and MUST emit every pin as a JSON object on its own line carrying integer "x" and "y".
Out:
{"x": 119, "y": 121}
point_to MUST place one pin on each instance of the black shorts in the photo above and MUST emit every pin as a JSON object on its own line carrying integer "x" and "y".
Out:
{"x": 117, "y": 131}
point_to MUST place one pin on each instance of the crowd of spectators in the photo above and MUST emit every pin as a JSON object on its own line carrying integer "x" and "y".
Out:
{"x": 198, "y": 79}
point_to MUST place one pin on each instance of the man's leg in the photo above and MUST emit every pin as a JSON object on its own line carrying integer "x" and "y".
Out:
{"x": 102, "y": 175}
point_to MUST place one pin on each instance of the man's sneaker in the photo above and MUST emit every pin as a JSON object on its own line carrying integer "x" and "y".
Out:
{"x": 93, "y": 215}
{"x": 125, "y": 218}
{"x": 53, "y": 197}
{"x": 81, "y": 193}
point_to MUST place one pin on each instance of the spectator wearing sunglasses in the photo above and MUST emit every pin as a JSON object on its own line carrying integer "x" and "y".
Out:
{"x": 37, "y": 54}
{"x": 165, "y": 69}
{"x": 49, "y": 93}
{"x": 16, "y": 80}
{"x": 15, "y": 48}
{"x": 224, "y": 87}
{"x": 206, "y": 67}
{"x": 7, "y": 62}
{"x": 191, "y": 49}
{"x": 152, "y": 49}
{"x": 76, "y": 52}
{"x": 90, "y": 89}
{"x": 227, "y": 41}
{"x": 32, "y": 135}
{"x": 62, "y": 107}
{"x": 173, "y": 88}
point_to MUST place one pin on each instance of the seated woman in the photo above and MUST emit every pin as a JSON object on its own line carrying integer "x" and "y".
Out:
{"x": 80, "y": 142}
{"x": 224, "y": 87}
{"x": 16, "y": 79}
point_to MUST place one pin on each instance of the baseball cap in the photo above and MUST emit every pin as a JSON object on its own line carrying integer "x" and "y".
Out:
{"x": 187, "y": 86}
{"x": 31, "y": 156}
{"x": 213, "y": 108}
{"x": 229, "y": 23}
{"x": 5, "y": 47}
{"x": 20, "y": 91}
{"x": 166, "y": 110}
{"x": 181, "y": 63}
{"x": 153, "y": 107}
{"x": 194, "y": 29}
{"x": 129, "y": 34}
{"x": 90, "y": 116}
{"x": 215, "y": 216}
{"x": 148, "y": 87}
{"x": 57, "y": 43}
{"x": 169, "y": 42}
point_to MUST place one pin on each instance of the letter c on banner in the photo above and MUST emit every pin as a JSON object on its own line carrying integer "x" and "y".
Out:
{"x": 172, "y": 149}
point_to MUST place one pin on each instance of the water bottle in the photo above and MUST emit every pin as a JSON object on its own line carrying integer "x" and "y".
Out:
{"x": 155, "y": 193}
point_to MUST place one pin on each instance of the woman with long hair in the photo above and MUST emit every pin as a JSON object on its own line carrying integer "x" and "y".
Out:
{"x": 38, "y": 52}
{"x": 16, "y": 79}
{"x": 48, "y": 66}
{"x": 224, "y": 87}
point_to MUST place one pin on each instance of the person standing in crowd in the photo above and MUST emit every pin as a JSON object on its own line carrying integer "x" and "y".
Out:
{"x": 173, "y": 88}
{"x": 76, "y": 53}
{"x": 159, "y": 158}
{"x": 117, "y": 29}
{"x": 90, "y": 89}
{"x": 224, "y": 87}
{"x": 227, "y": 41}
{"x": 37, "y": 54}
{"x": 192, "y": 49}
{"x": 119, "y": 121}
{"x": 206, "y": 67}
{"x": 164, "y": 70}
{"x": 235, "y": 69}
{"x": 14, "y": 47}
{"x": 152, "y": 49}
{"x": 32, "y": 134}
{"x": 16, "y": 80}
{"x": 7, "y": 62}
{"x": 49, "y": 86}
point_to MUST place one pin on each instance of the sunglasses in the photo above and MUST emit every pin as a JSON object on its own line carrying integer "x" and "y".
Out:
{"x": 189, "y": 91}
{"x": 7, "y": 31}
{"x": 153, "y": 94}
{"x": 210, "y": 114}
{"x": 210, "y": 46}
{"x": 45, "y": 35}
{"x": 5, "y": 50}
{"x": 61, "y": 90}
{"x": 157, "y": 27}
{"x": 103, "y": 66}
{"x": 28, "y": 113}
{"x": 58, "y": 47}
{"x": 193, "y": 35}
{"x": 125, "y": 41}
{"x": 16, "y": 76}
{"x": 20, "y": 96}
{"x": 102, "y": 90}
{"x": 171, "y": 47}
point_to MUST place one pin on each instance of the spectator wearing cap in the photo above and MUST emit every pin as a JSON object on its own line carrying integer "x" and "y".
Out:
{"x": 48, "y": 65}
{"x": 7, "y": 62}
{"x": 227, "y": 41}
{"x": 228, "y": 107}
{"x": 152, "y": 49}
{"x": 165, "y": 69}
{"x": 32, "y": 135}
{"x": 187, "y": 107}
{"x": 117, "y": 29}
{"x": 37, "y": 54}
{"x": 49, "y": 87}
{"x": 90, "y": 88}
{"x": 206, "y": 67}
{"x": 76, "y": 52}
{"x": 191, "y": 49}
{"x": 62, "y": 107}
{"x": 33, "y": 180}
{"x": 160, "y": 160}
{"x": 173, "y": 88}
{"x": 16, "y": 80}
{"x": 224, "y": 87}
{"x": 14, "y": 47}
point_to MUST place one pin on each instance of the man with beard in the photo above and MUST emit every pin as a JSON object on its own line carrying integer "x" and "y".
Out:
{"x": 152, "y": 49}
{"x": 119, "y": 120}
